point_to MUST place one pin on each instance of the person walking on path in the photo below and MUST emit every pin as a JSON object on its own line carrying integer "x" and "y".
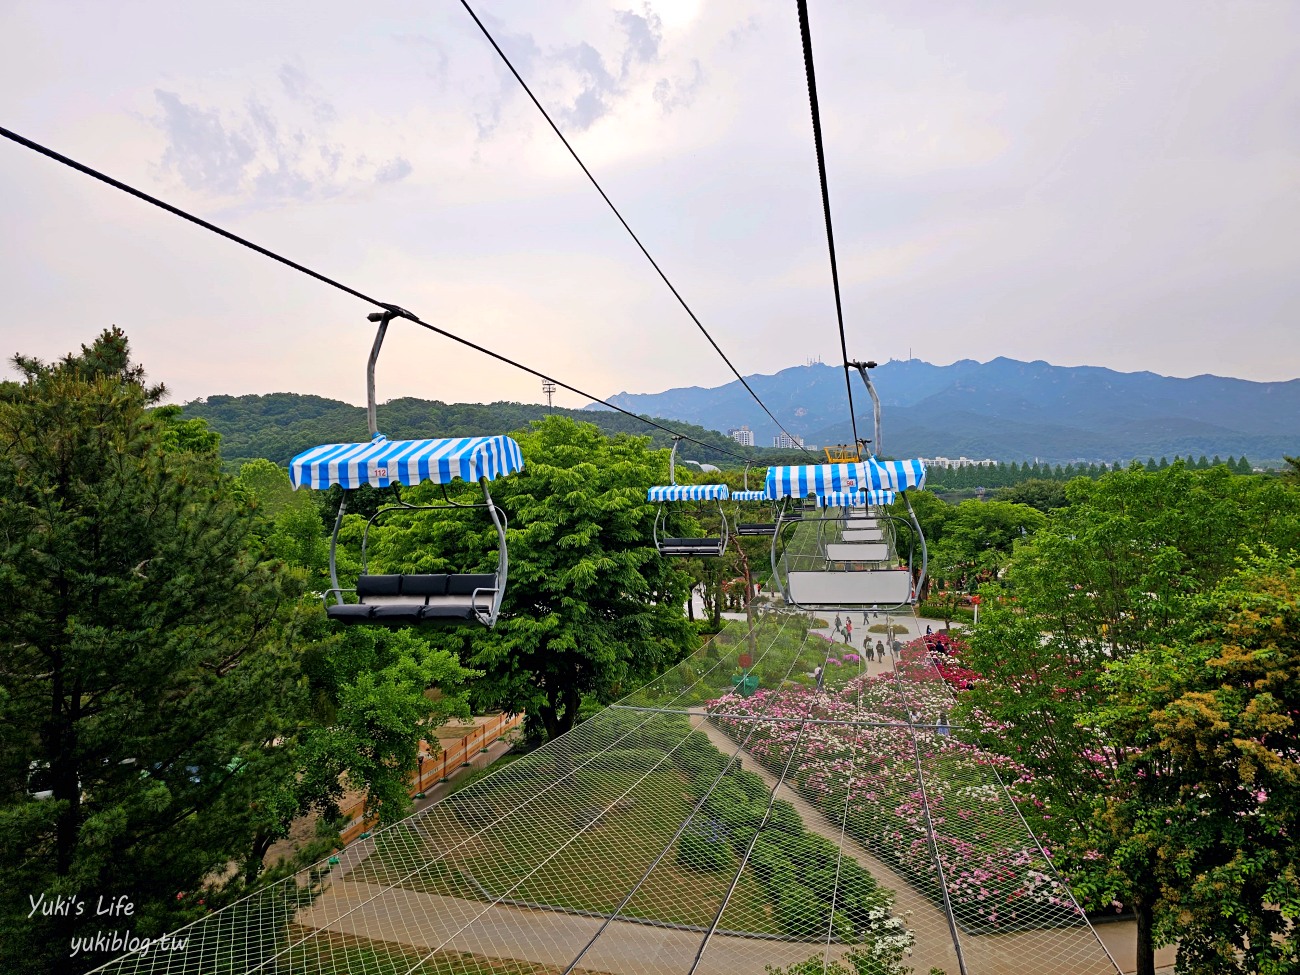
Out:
{"x": 839, "y": 624}
{"x": 880, "y": 650}
{"x": 848, "y": 633}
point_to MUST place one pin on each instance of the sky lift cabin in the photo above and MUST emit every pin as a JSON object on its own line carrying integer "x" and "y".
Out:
{"x": 668, "y": 495}
{"x": 411, "y": 599}
{"x": 866, "y": 574}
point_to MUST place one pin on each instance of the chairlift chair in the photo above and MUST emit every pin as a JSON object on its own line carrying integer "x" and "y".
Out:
{"x": 752, "y": 528}
{"x": 852, "y": 576}
{"x": 411, "y": 599}
{"x": 668, "y": 494}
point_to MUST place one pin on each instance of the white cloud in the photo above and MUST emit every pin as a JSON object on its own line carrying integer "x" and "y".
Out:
{"x": 271, "y": 151}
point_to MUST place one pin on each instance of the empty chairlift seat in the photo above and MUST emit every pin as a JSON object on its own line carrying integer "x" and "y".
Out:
{"x": 405, "y": 600}
{"x": 835, "y": 589}
{"x": 855, "y": 563}
{"x": 752, "y": 528}
{"x": 669, "y": 494}
{"x": 412, "y": 599}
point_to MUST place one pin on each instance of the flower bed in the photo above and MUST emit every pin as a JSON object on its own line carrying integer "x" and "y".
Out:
{"x": 866, "y": 774}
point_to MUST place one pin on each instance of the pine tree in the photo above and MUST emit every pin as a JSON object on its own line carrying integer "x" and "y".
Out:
{"x": 145, "y": 654}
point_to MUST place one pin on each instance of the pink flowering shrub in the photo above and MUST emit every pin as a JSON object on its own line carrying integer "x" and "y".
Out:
{"x": 865, "y": 776}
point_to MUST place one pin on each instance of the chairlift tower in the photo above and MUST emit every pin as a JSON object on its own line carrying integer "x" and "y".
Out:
{"x": 549, "y": 389}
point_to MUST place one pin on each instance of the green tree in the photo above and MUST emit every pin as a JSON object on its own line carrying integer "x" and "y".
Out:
{"x": 1037, "y": 493}
{"x": 1212, "y": 803}
{"x": 368, "y": 701}
{"x": 977, "y": 539}
{"x": 590, "y": 608}
{"x": 146, "y": 654}
{"x": 1116, "y": 573}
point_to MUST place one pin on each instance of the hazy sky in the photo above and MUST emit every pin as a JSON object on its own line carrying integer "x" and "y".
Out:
{"x": 1103, "y": 183}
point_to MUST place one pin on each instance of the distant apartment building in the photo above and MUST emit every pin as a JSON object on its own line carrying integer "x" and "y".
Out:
{"x": 742, "y": 435}
{"x": 782, "y": 442}
{"x": 951, "y": 462}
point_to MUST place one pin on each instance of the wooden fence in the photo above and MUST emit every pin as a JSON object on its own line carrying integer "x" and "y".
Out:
{"x": 434, "y": 769}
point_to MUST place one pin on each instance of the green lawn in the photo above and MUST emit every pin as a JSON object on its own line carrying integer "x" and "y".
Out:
{"x": 589, "y": 870}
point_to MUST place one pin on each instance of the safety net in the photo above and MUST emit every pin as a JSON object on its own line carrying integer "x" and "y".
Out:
{"x": 779, "y": 801}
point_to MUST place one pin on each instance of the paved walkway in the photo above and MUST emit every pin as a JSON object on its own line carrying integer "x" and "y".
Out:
{"x": 449, "y": 924}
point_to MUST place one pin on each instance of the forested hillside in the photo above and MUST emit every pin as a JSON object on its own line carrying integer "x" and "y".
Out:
{"x": 277, "y": 426}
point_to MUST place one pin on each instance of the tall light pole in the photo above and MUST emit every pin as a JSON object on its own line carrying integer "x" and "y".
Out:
{"x": 549, "y": 389}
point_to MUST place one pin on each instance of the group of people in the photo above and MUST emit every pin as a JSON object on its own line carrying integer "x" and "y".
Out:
{"x": 844, "y": 628}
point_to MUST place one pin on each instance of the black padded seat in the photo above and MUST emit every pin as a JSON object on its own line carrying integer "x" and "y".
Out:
{"x": 379, "y": 585}
{"x": 690, "y": 546}
{"x": 349, "y": 612}
{"x": 406, "y": 600}
{"x": 397, "y": 614}
{"x": 459, "y": 602}
{"x": 756, "y": 528}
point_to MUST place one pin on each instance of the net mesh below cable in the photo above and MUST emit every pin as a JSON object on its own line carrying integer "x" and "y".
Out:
{"x": 729, "y": 817}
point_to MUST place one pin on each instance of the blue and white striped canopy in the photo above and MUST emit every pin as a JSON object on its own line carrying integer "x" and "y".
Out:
{"x": 688, "y": 492}
{"x": 847, "y": 499}
{"x": 821, "y": 479}
{"x": 895, "y": 475}
{"x": 383, "y": 462}
{"x": 749, "y": 496}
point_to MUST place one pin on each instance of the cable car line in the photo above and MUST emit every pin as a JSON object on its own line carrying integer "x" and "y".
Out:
{"x": 395, "y": 310}
{"x": 826, "y": 199}
{"x": 635, "y": 238}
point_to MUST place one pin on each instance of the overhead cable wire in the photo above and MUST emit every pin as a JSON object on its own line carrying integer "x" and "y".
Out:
{"x": 826, "y": 201}
{"x": 399, "y": 312}
{"x": 637, "y": 240}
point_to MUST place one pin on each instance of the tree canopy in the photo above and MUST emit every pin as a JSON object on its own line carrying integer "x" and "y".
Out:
{"x": 146, "y": 652}
{"x": 1118, "y": 574}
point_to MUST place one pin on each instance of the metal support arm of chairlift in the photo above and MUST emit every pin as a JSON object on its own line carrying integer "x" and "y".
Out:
{"x": 862, "y": 368}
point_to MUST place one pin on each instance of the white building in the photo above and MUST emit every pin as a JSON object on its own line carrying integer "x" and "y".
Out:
{"x": 742, "y": 435}
{"x": 782, "y": 442}
{"x": 951, "y": 462}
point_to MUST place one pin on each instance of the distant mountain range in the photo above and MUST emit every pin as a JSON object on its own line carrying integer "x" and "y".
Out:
{"x": 1005, "y": 410}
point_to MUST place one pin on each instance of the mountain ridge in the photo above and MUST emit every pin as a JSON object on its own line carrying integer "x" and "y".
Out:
{"x": 1005, "y": 409}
